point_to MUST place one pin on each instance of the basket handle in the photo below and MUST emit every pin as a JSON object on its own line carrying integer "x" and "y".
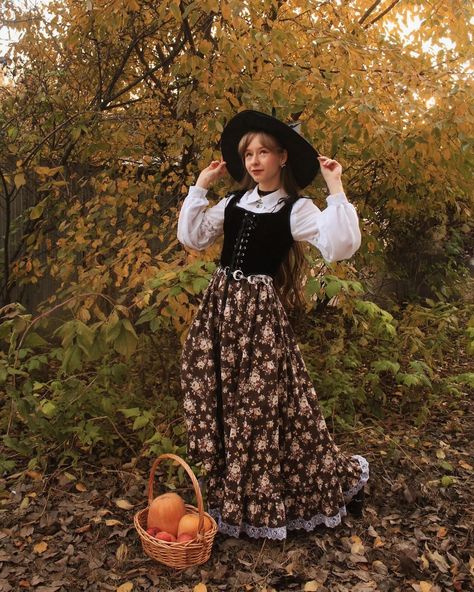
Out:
{"x": 197, "y": 489}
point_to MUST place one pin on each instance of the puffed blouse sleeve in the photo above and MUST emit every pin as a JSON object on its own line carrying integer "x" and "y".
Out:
{"x": 199, "y": 225}
{"x": 334, "y": 231}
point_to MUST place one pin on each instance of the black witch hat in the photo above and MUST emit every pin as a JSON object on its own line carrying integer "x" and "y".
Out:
{"x": 302, "y": 157}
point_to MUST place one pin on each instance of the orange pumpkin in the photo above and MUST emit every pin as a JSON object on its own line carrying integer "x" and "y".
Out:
{"x": 189, "y": 524}
{"x": 165, "y": 512}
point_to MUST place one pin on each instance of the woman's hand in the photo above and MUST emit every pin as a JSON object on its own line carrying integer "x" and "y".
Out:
{"x": 331, "y": 170}
{"x": 215, "y": 171}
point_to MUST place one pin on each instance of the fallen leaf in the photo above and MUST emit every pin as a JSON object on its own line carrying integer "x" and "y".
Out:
{"x": 127, "y": 587}
{"x": 372, "y": 532}
{"x": 357, "y": 558}
{"x": 200, "y": 587}
{"x": 84, "y": 528}
{"x": 442, "y": 532}
{"x": 465, "y": 465}
{"x": 380, "y": 567}
{"x": 40, "y": 547}
{"x": 122, "y": 552}
{"x": 311, "y": 586}
{"x": 25, "y": 502}
{"x": 113, "y": 522}
{"x": 123, "y": 504}
{"x": 81, "y": 487}
{"x": 408, "y": 566}
{"x": 357, "y": 547}
{"x": 425, "y": 586}
{"x": 37, "y": 476}
{"x": 410, "y": 494}
{"x": 439, "y": 561}
{"x": 378, "y": 543}
{"x": 288, "y": 568}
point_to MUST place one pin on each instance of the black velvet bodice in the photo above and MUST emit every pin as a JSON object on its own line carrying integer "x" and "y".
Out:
{"x": 256, "y": 243}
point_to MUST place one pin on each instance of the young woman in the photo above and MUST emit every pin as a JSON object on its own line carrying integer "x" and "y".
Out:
{"x": 251, "y": 411}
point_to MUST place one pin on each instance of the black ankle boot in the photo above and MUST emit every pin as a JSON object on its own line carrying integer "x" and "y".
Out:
{"x": 356, "y": 504}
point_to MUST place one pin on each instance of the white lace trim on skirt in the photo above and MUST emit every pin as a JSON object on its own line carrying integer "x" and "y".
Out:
{"x": 364, "y": 477}
{"x": 308, "y": 525}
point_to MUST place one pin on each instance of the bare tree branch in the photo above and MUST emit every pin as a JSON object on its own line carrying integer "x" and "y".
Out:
{"x": 170, "y": 57}
{"x": 178, "y": 47}
{"x": 369, "y": 11}
{"x": 120, "y": 68}
{"x": 382, "y": 14}
{"x": 188, "y": 34}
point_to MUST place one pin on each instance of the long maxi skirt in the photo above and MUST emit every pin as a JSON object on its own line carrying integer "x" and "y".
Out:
{"x": 281, "y": 469}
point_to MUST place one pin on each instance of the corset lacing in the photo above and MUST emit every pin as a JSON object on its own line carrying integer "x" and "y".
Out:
{"x": 234, "y": 270}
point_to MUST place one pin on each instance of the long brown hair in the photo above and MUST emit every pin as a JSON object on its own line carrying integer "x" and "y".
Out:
{"x": 289, "y": 280}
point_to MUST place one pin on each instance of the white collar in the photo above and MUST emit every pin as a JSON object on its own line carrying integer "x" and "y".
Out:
{"x": 270, "y": 200}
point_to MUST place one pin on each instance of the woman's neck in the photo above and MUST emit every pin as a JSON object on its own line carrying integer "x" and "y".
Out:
{"x": 265, "y": 191}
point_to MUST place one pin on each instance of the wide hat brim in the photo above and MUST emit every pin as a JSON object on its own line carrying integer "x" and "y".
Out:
{"x": 302, "y": 157}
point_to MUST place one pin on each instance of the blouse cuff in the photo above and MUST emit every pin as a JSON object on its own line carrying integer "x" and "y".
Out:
{"x": 199, "y": 192}
{"x": 337, "y": 198}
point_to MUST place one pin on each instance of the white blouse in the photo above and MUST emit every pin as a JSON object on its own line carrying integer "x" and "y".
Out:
{"x": 334, "y": 230}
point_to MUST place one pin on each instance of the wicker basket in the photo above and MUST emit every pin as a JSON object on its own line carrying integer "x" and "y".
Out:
{"x": 184, "y": 554}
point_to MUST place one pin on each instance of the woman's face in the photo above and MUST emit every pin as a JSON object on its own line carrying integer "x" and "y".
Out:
{"x": 264, "y": 164}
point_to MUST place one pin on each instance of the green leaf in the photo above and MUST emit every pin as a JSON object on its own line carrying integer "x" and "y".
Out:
{"x": 147, "y": 315}
{"x": 49, "y": 408}
{"x": 313, "y": 286}
{"x": 17, "y": 446}
{"x": 386, "y": 366}
{"x": 85, "y": 337}
{"x": 408, "y": 379}
{"x": 37, "y": 210}
{"x": 67, "y": 331}
{"x": 447, "y": 466}
{"x": 35, "y": 340}
{"x": 126, "y": 343}
{"x": 140, "y": 422}
{"x": 333, "y": 288}
{"x": 131, "y": 412}
{"x": 72, "y": 359}
{"x": 447, "y": 481}
{"x": 127, "y": 325}
{"x": 200, "y": 284}
{"x": 112, "y": 327}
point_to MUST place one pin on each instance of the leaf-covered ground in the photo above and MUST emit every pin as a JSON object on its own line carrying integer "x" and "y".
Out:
{"x": 73, "y": 530}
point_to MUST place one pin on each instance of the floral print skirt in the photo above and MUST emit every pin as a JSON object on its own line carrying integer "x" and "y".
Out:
{"x": 280, "y": 469}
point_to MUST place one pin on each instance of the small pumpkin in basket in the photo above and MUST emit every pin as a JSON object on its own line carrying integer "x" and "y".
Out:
{"x": 189, "y": 525}
{"x": 165, "y": 513}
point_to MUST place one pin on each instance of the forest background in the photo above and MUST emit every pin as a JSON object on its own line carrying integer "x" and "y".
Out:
{"x": 109, "y": 110}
